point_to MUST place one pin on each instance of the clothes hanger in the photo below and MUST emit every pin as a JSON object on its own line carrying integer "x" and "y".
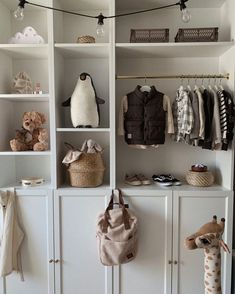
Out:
{"x": 220, "y": 85}
{"x": 216, "y": 87}
{"x": 145, "y": 87}
{"x": 209, "y": 85}
{"x": 181, "y": 87}
{"x": 188, "y": 86}
{"x": 202, "y": 85}
{"x": 196, "y": 86}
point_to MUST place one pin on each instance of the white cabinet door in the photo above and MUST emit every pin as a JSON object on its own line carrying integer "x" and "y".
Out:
{"x": 35, "y": 209}
{"x": 192, "y": 209}
{"x": 79, "y": 269}
{"x": 150, "y": 272}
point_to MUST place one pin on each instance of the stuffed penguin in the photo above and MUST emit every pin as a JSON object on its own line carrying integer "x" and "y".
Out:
{"x": 84, "y": 104}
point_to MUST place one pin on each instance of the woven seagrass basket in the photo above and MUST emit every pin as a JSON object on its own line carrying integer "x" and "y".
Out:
{"x": 87, "y": 171}
{"x": 86, "y": 39}
{"x": 200, "y": 179}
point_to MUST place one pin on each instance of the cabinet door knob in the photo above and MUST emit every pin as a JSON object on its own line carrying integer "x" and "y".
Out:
{"x": 51, "y": 260}
{"x": 175, "y": 262}
{"x": 57, "y": 261}
{"x": 169, "y": 261}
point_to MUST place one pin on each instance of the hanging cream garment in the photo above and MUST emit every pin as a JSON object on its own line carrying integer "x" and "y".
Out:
{"x": 11, "y": 235}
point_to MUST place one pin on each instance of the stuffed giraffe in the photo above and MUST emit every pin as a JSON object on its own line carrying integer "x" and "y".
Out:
{"x": 209, "y": 238}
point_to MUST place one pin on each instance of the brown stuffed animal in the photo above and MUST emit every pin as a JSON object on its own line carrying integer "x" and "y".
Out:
{"x": 32, "y": 136}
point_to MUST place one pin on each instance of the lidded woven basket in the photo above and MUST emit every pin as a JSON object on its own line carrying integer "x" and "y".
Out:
{"x": 200, "y": 179}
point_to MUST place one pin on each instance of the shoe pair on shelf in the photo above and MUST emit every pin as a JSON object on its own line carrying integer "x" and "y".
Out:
{"x": 166, "y": 180}
{"x": 137, "y": 180}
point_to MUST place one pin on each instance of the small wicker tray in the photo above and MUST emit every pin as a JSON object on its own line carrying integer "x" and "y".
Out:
{"x": 197, "y": 35}
{"x": 199, "y": 179}
{"x": 149, "y": 36}
{"x": 86, "y": 39}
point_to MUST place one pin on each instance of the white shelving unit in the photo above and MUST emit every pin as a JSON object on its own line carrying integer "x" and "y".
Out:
{"x": 57, "y": 65}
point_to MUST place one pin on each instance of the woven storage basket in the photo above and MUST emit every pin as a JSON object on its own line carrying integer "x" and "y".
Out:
{"x": 86, "y": 39}
{"x": 200, "y": 179}
{"x": 149, "y": 36}
{"x": 87, "y": 171}
{"x": 197, "y": 35}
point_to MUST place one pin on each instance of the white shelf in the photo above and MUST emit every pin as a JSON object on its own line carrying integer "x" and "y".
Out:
{"x": 100, "y": 50}
{"x": 105, "y": 186}
{"x": 25, "y": 153}
{"x": 156, "y": 187}
{"x": 18, "y": 186}
{"x": 82, "y": 130}
{"x": 139, "y": 4}
{"x": 172, "y": 50}
{"x": 25, "y": 51}
{"x": 25, "y": 97}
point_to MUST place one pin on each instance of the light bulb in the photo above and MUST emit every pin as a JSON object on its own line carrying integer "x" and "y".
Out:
{"x": 185, "y": 14}
{"x": 100, "y": 32}
{"x": 19, "y": 13}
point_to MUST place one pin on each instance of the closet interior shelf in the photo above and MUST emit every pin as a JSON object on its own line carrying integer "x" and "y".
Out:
{"x": 191, "y": 76}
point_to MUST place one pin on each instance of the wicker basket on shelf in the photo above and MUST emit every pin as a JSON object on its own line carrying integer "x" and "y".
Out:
{"x": 149, "y": 36}
{"x": 200, "y": 179}
{"x": 86, "y": 39}
{"x": 88, "y": 171}
{"x": 197, "y": 35}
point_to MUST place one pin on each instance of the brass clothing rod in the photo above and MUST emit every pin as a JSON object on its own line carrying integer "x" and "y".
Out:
{"x": 209, "y": 76}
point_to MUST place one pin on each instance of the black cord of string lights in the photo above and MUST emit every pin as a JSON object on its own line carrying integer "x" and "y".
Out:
{"x": 101, "y": 17}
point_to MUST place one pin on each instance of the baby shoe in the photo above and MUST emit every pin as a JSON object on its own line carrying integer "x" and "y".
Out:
{"x": 143, "y": 179}
{"x": 162, "y": 180}
{"x": 133, "y": 180}
{"x": 175, "y": 182}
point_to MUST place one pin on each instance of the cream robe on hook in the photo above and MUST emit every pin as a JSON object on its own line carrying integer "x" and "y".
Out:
{"x": 11, "y": 235}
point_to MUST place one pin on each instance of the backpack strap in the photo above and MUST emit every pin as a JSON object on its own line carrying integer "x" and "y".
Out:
{"x": 125, "y": 214}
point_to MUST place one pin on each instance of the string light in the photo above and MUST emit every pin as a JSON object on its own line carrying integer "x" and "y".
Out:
{"x": 185, "y": 14}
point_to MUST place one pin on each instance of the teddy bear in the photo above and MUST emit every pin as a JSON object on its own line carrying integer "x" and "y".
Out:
{"x": 32, "y": 136}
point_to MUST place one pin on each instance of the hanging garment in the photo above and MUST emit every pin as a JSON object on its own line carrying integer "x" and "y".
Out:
{"x": 216, "y": 130}
{"x": 142, "y": 118}
{"x": 11, "y": 235}
{"x": 183, "y": 115}
{"x": 227, "y": 117}
{"x": 194, "y": 135}
{"x": 209, "y": 111}
{"x": 223, "y": 118}
{"x": 201, "y": 113}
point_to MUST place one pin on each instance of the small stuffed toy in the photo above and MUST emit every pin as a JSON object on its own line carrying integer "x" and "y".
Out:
{"x": 84, "y": 104}
{"x": 22, "y": 84}
{"x": 32, "y": 136}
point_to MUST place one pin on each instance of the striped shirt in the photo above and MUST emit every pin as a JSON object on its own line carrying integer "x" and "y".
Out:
{"x": 223, "y": 115}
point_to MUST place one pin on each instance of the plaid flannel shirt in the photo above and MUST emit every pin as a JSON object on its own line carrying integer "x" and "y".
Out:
{"x": 183, "y": 115}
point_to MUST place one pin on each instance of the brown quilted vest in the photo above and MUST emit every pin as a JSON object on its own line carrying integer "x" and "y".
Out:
{"x": 144, "y": 122}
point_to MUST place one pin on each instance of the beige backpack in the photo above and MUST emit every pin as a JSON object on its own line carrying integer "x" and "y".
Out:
{"x": 117, "y": 234}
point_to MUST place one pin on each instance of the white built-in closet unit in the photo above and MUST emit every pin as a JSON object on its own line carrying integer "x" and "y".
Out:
{"x": 59, "y": 251}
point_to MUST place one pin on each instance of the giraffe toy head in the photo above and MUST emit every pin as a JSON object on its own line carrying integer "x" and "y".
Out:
{"x": 208, "y": 236}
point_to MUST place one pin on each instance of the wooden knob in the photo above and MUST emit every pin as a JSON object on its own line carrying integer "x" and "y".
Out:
{"x": 51, "y": 260}
{"x": 175, "y": 262}
{"x": 169, "y": 261}
{"x": 57, "y": 261}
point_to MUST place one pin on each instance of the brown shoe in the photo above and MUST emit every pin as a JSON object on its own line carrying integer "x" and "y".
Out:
{"x": 143, "y": 179}
{"x": 132, "y": 180}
